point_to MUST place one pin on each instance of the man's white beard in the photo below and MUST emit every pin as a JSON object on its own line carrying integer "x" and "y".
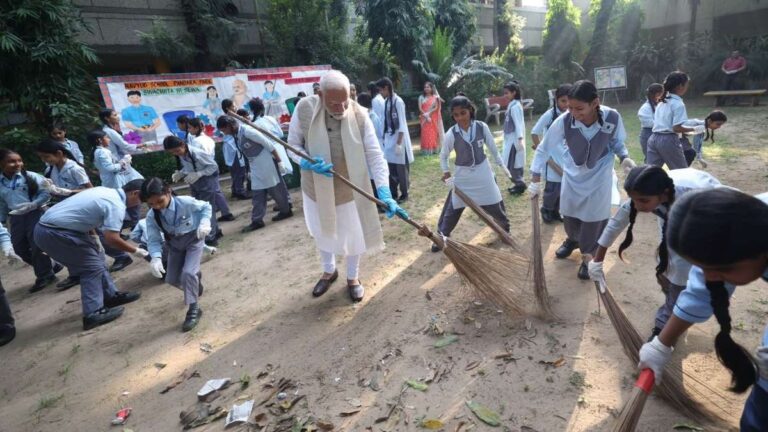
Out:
{"x": 337, "y": 116}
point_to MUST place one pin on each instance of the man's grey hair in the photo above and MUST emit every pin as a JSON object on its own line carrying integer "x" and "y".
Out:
{"x": 334, "y": 80}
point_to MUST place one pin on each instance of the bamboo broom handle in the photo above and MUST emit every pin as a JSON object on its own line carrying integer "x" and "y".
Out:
{"x": 435, "y": 239}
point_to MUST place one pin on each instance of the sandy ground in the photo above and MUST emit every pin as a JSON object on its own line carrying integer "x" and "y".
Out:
{"x": 263, "y": 325}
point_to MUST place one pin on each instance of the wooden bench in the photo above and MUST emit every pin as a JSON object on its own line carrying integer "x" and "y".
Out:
{"x": 755, "y": 94}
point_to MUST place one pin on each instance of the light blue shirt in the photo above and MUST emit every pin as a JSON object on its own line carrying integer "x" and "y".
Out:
{"x": 5, "y": 238}
{"x": 378, "y": 126}
{"x": 585, "y": 193}
{"x": 646, "y": 114}
{"x": 15, "y": 191}
{"x": 139, "y": 232}
{"x": 95, "y": 208}
{"x": 669, "y": 114}
{"x": 75, "y": 150}
{"x": 71, "y": 175}
{"x": 113, "y": 174}
{"x": 139, "y": 116}
{"x": 264, "y": 174}
{"x": 205, "y": 163}
{"x": 117, "y": 145}
{"x": 540, "y": 129}
{"x": 230, "y": 151}
{"x": 182, "y": 216}
{"x": 390, "y": 138}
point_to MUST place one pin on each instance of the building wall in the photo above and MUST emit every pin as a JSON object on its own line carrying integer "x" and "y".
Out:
{"x": 733, "y": 17}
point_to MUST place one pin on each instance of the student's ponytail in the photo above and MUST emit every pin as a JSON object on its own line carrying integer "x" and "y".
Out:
{"x": 673, "y": 81}
{"x": 732, "y": 355}
{"x": 714, "y": 116}
{"x": 628, "y": 237}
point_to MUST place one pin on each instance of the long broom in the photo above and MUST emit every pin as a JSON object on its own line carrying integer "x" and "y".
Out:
{"x": 485, "y": 270}
{"x": 671, "y": 388}
{"x": 630, "y": 414}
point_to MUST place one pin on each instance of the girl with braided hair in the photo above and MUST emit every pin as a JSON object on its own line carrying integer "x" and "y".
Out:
{"x": 724, "y": 234}
{"x": 664, "y": 144}
{"x": 586, "y": 139}
{"x": 652, "y": 190}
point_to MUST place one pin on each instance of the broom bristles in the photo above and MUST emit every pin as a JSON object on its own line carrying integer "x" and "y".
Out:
{"x": 671, "y": 388}
{"x": 539, "y": 278}
{"x": 498, "y": 276}
{"x": 630, "y": 414}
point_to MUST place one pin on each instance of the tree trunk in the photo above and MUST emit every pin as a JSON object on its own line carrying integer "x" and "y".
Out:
{"x": 199, "y": 38}
{"x": 502, "y": 29}
{"x": 599, "y": 36}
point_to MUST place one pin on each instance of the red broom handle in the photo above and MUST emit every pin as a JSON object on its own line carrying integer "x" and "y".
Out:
{"x": 645, "y": 381}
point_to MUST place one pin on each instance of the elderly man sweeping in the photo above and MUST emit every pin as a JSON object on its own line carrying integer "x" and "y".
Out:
{"x": 339, "y": 135}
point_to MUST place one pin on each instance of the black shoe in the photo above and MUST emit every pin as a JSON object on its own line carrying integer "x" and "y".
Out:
{"x": 280, "y": 216}
{"x": 583, "y": 273}
{"x": 321, "y": 287}
{"x": 356, "y": 292}
{"x": 566, "y": 249}
{"x": 68, "y": 283}
{"x": 194, "y": 313}
{"x": 42, "y": 283}
{"x": 277, "y": 208}
{"x": 517, "y": 189}
{"x": 226, "y": 218}
{"x": 121, "y": 298}
{"x": 547, "y": 216}
{"x": 212, "y": 243}
{"x": 240, "y": 197}
{"x": 655, "y": 332}
{"x": 253, "y": 227}
{"x": 435, "y": 248}
{"x": 120, "y": 264}
{"x": 557, "y": 215}
{"x": 219, "y": 233}
{"x": 402, "y": 199}
{"x": 57, "y": 268}
{"x": 7, "y": 334}
{"x": 101, "y": 317}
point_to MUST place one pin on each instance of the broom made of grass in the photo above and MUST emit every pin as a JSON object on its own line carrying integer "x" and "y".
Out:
{"x": 671, "y": 388}
{"x": 630, "y": 414}
{"x": 487, "y": 271}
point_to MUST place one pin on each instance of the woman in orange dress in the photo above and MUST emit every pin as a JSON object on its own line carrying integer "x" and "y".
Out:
{"x": 431, "y": 119}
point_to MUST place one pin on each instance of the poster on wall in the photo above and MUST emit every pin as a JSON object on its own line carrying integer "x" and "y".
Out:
{"x": 611, "y": 78}
{"x": 148, "y": 105}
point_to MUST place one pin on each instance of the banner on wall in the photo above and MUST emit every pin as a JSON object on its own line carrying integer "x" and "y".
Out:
{"x": 148, "y": 105}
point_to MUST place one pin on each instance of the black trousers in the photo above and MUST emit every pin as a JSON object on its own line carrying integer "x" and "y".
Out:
{"x": 6, "y": 318}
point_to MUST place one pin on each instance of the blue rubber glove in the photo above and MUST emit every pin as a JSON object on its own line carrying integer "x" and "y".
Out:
{"x": 392, "y": 208}
{"x": 319, "y": 166}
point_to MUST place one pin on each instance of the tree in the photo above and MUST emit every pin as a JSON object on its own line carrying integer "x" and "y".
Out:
{"x": 44, "y": 71}
{"x": 514, "y": 24}
{"x": 599, "y": 34}
{"x": 561, "y": 33}
{"x": 405, "y": 24}
{"x": 457, "y": 17}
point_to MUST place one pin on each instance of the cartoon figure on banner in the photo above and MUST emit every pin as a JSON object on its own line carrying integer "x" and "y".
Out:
{"x": 272, "y": 100}
{"x": 212, "y": 102}
{"x": 240, "y": 95}
{"x": 141, "y": 119}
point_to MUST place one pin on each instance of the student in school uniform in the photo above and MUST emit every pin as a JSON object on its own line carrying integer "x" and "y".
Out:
{"x": 397, "y": 141}
{"x": 377, "y": 106}
{"x": 586, "y": 139}
{"x": 664, "y": 144}
{"x": 140, "y": 237}
{"x": 183, "y": 222}
{"x": 271, "y": 124}
{"x": 653, "y": 190}
{"x": 645, "y": 114}
{"x": 266, "y": 169}
{"x": 514, "y": 137}
{"x": 200, "y": 171}
{"x": 704, "y": 130}
{"x": 199, "y": 139}
{"x": 473, "y": 174}
{"x": 113, "y": 171}
{"x": 237, "y": 163}
{"x": 721, "y": 263}
{"x": 7, "y": 323}
{"x": 182, "y": 122}
{"x": 58, "y": 132}
{"x": 22, "y": 197}
{"x": 550, "y": 202}
{"x": 64, "y": 177}
{"x": 67, "y": 233}
{"x": 111, "y": 126}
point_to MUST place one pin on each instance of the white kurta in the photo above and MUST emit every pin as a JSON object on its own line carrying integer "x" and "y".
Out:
{"x": 512, "y": 140}
{"x": 390, "y": 139}
{"x": 349, "y": 238}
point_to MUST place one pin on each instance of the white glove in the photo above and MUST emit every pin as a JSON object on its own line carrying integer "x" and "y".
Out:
{"x": 506, "y": 171}
{"x": 628, "y": 164}
{"x": 157, "y": 269}
{"x": 177, "y": 176}
{"x": 99, "y": 246}
{"x": 449, "y": 183}
{"x": 210, "y": 250}
{"x": 534, "y": 189}
{"x": 141, "y": 253}
{"x": 11, "y": 255}
{"x": 192, "y": 178}
{"x": 700, "y": 129}
{"x": 519, "y": 145}
{"x": 399, "y": 149}
{"x": 762, "y": 361}
{"x": 55, "y": 190}
{"x": 127, "y": 159}
{"x": 22, "y": 209}
{"x": 203, "y": 229}
{"x": 283, "y": 170}
{"x": 596, "y": 273}
{"x": 654, "y": 355}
